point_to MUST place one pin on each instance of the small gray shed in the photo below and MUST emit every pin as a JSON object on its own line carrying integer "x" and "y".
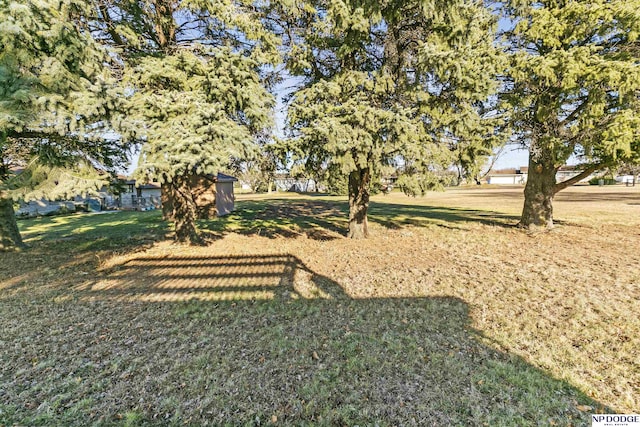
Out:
{"x": 225, "y": 198}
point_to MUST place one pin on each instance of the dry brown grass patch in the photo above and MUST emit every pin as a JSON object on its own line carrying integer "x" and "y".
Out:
{"x": 447, "y": 313}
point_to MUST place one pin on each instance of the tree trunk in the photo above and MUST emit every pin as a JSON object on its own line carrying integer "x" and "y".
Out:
{"x": 359, "y": 182}
{"x": 183, "y": 210}
{"x": 539, "y": 192}
{"x": 166, "y": 197}
{"x": 10, "y": 238}
{"x": 204, "y": 193}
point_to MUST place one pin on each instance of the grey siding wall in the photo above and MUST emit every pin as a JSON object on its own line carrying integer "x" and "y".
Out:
{"x": 224, "y": 198}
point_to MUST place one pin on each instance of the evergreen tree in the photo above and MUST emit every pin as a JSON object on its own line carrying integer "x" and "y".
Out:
{"x": 390, "y": 84}
{"x": 476, "y": 148}
{"x": 200, "y": 110}
{"x": 55, "y": 103}
{"x": 573, "y": 83}
{"x": 196, "y": 94}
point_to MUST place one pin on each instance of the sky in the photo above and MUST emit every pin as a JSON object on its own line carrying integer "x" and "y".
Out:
{"x": 512, "y": 157}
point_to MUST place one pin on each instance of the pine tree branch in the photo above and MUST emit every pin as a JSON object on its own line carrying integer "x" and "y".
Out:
{"x": 40, "y": 135}
{"x": 104, "y": 11}
{"x": 585, "y": 173}
{"x": 576, "y": 111}
{"x": 494, "y": 159}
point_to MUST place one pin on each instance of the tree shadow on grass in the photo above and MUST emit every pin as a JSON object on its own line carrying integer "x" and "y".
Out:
{"x": 594, "y": 194}
{"x": 253, "y": 340}
{"x": 289, "y": 218}
{"x": 327, "y": 220}
{"x": 598, "y": 196}
{"x": 396, "y": 216}
{"x": 60, "y": 245}
{"x": 315, "y": 219}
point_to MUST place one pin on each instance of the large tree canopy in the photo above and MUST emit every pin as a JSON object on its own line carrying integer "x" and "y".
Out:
{"x": 390, "y": 83}
{"x": 196, "y": 96}
{"x": 200, "y": 111}
{"x": 573, "y": 83}
{"x": 56, "y": 98}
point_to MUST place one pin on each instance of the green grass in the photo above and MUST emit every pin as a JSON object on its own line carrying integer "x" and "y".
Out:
{"x": 325, "y": 217}
{"x": 318, "y": 217}
{"x": 314, "y": 362}
{"x": 94, "y": 231}
{"x": 441, "y": 318}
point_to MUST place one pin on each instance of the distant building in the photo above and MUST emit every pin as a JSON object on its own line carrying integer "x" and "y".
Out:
{"x": 137, "y": 197}
{"x": 519, "y": 176}
{"x": 627, "y": 179}
{"x": 213, "y": 193}
{"x": 569, "y": 171}
{"x": 285, "y": 182}
{"x": 44, "y": 207}
{"x": 508, "y": 176}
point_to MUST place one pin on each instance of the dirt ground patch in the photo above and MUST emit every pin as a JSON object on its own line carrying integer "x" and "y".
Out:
{"x": 447, "y": 315}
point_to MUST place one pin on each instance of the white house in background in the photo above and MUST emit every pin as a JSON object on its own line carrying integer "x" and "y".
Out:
{"x": 285, "y": 182}
{"x": 519, "y": 176}
{"x": 627, "y": 179}
{"x": 508, "y": 176}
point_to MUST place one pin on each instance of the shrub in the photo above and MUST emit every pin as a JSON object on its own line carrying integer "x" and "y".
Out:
{"x": 605, "y": 181}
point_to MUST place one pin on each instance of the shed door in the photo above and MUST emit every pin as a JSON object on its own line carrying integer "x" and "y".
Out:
{"x": 224, "y": 198}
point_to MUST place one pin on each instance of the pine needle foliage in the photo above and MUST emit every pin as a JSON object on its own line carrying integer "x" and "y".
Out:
{"x": 391, "y": 86}
{"x": 56, "y": 101}
{"x": 195, "y": 90}
{"x": 199, "y": 110}
{"x": 574, "y": 82}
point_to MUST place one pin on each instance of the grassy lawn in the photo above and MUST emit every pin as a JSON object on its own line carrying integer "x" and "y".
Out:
{"x": 448, "y": 315}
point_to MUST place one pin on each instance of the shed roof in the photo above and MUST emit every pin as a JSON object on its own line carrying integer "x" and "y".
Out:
{"x": 221, "y": 177}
